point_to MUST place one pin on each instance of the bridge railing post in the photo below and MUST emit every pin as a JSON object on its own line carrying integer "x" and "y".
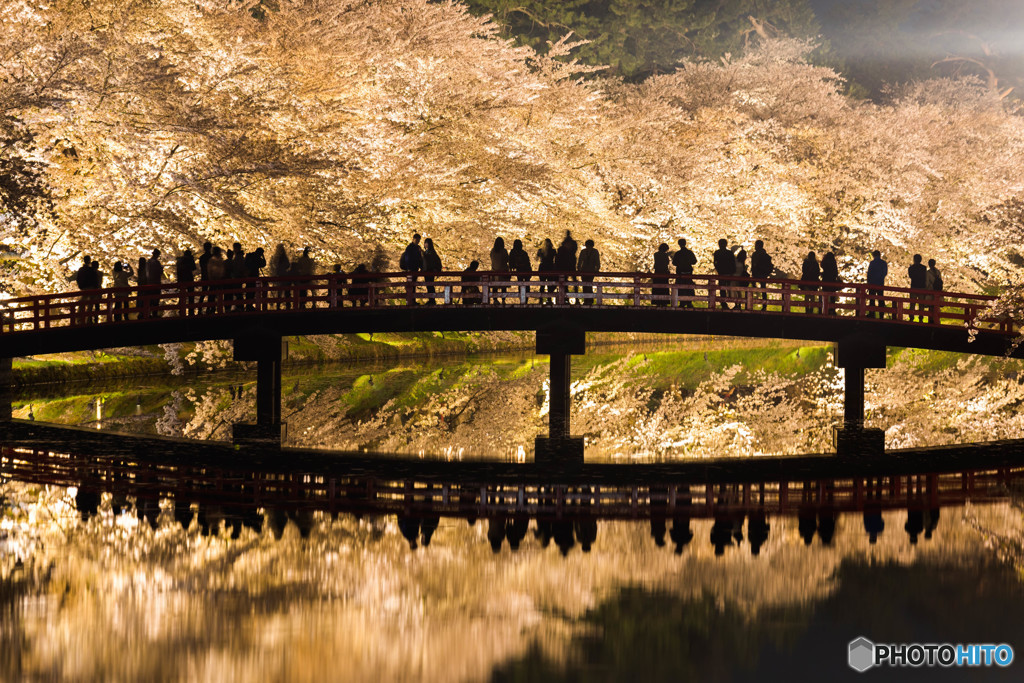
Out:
{"x": 560, "y": 295}
{"x": 599, "y": 294}
{"x": 523, "y": 290}
{"x": 447, "y": 294}
{"x": 636, "y": 290}
{"x": 371, "y": 294}
{"x": 712, "y": 293}
{"x": 485, "y": 289}
{"x": 674, "y": 290}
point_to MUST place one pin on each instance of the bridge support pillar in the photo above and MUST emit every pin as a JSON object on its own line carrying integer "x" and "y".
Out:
{"x": 268, "y": 351}
{"x": 854, "y": 356}
{"x": 559, "y": 343}
{"x": 6, "y": 387}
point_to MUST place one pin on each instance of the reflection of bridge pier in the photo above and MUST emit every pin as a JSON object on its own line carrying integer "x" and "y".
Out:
{"x": 855, "y": 355}
{"x": 6, "y": 387}
{"x": 559, "y": 343}
{"x": 268, "y": 351}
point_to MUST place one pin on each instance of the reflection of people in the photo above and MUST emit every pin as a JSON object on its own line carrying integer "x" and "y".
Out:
{"x": 807, "y": 522}
{"x": 410, "y": 528}
{"x": 516, "y": 530}
{"x": 496, "y": 533}
{"x": 931, "y": 519}
{"x": 721, "y": 533}
{"x": 826, "y": 526}
{"x": 658, "y": 531}
{"x": 586, "y": 533}
{"x": 873, "y": 522}
{"x": 563, "y": 535}
{"x": 428, "y": 525}
{"x": 757, "y": 530}
{"x": 915, "y": 524}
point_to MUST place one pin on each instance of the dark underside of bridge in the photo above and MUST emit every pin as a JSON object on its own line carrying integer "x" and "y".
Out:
{"x": 642, "y": 319}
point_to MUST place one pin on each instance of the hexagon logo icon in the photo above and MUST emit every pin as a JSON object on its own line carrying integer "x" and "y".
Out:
{"x": 861, "y": 654}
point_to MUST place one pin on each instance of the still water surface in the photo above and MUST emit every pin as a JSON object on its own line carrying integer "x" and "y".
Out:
{"x": 98, "y": 584}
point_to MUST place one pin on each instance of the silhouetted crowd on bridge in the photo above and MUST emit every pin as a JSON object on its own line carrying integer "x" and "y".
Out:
{"x": 742, "y": 282}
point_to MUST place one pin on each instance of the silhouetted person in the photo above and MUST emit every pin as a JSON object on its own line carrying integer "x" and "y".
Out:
{"x": 918, "y": 274}
{"x": 254, "y": 264}
{"x": 154, "y": 276}
{"x": 431, "y": 266}
{"x": 519, "y": 261}
{"x": 496, "y": 533}
{"x": 428, "y": 525}
{"x": 410, "y": 528}
{"x": 831, "y": 282}
{"x": 304, "y": 267}
{"x": 725, "y": 264}
{"x": 810, "y": 273}
{"x": 933, "y": 283}
{"x": 743, "y": 279}
{"x": 499, "y": 264}
{"x": 546, "y": 263}
{"x": 661, "y": 267}
{"x": 359, "y": 288}
{"x": 684, "y": 260}
{"x": 185, "y": 274}
{"x": 761, "y": 268}
{"x": 515, "y": 530}
{"x": 587, "y": 265}
{"x": 562, "y": 532}
{"x": 877, "y": 270}
{"x": 204, "y": 272}
{"x": 565, "y": 260}
{"x": 84, "y": 281}
{"x": 217, "y": 272}
{"x": 915, "y": 524}
{"x": 185, "y": 268}
{"x": 119, "y": 277}
{"x": 757, "y": 531}
{"x": 470, "y": 287}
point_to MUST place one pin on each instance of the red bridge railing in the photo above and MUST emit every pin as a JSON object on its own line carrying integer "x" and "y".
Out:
{"x": 118, "y": 306}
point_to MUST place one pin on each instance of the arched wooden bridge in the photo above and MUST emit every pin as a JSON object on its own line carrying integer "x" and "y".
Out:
{"x": 257, "y": 313}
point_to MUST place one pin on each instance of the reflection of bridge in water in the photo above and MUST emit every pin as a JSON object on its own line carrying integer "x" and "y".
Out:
{"x": 234, "y": 485}
{"x": 257, "y": 313}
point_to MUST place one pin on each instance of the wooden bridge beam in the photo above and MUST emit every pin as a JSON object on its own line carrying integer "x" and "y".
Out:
{"x": 268, "y": 351}
{"x": 854, "y": 355}
{"x": 559, "y": 343}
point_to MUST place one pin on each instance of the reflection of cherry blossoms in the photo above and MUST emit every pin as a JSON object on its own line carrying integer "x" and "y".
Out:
{"x": 175, "y": 603}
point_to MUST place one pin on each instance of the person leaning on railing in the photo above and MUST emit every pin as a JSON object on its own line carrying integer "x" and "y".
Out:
{"x": 519, "y": 263}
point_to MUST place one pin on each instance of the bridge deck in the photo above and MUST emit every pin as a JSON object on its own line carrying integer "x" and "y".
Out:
{"x": 613, "y": 302}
